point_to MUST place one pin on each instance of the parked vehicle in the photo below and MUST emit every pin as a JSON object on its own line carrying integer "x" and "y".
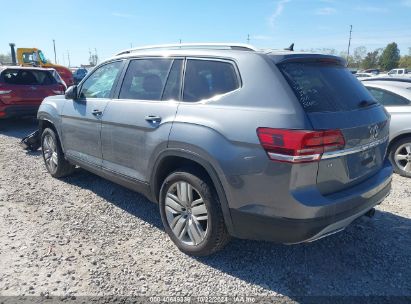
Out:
{"x": 229, "y": 140}
{"x": 35, "y": 57}
{"x": 23, "y": 89}
{"x": 361, "y": 76}
{"x": 79, "y": 74}
{"x": 372, "y": 71}
{"x": 399, "y": 73}
{"x": 396, "y": 97}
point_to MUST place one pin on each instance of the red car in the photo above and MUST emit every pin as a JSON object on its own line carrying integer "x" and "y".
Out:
{"x": 22, "y": 89}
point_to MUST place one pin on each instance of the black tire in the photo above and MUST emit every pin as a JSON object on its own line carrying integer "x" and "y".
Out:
{"x": 57, "y": 166}
{"x": 394, "y": 149}
{"x": 216, "y": 235}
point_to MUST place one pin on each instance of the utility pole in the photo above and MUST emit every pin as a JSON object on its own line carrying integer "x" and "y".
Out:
{"x": 54, "y": 47}
{"x": 68, "y": 57}
{"x": 248, "y": 39}
{"x": 349, "y": 44}
{"x": 180, "y": 41}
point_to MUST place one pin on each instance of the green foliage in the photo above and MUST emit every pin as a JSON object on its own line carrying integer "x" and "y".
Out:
{"x": 405, "y": 62}
{"x": 390, "y": 57}
{"x": 371, "y": 60}
{"x": 358, "y": 56}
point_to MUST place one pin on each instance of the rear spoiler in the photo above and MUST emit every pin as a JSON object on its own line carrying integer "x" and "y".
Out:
{"x": 286, "y": 58}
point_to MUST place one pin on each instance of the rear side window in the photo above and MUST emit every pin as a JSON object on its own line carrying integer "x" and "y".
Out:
{"x": 388, "y": 98}
{"x": 325, "y": 87}
{"x": 206, "y": 78}
{"x": 28, "y": 77}
{"x": 145, "y": 79}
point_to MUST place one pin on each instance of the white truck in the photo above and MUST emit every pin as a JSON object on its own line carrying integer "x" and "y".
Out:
{"x": 400, "y": 73}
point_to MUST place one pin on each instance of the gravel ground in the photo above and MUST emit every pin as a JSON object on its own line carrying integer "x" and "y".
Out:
{"x": 86, "y": 236}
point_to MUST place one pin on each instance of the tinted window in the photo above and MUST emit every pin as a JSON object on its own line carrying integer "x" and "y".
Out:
{"x": 28, "y": 77}
{"x": 145, "y": 79}
{"x": 387, "y": 98}
{"x": 205, "y": 79}
{"x": 324, "y": 87}
{"x": 173, "y": 85}
{"x": 100, "y": 83}
{"x": 400, "y": 72}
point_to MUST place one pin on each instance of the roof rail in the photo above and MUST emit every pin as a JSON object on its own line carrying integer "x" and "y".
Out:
{"x": 382, "y": 78}
{"x": 229, "y": 46}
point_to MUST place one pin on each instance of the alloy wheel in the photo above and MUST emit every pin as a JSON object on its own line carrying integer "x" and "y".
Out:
{"x": 186, "y": 213}
{"x": 50, "y": 153}
{"x": 402, "y": 157}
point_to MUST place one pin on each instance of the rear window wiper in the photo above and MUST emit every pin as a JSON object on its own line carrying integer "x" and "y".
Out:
{"x": 366, "y": 103}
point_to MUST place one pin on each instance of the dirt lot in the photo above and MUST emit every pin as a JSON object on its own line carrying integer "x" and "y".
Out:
{"x": 83, "y": 235}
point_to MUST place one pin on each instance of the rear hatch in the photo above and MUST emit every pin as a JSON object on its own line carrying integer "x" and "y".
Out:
{"x": 334, "y": 99}
{"x": 23, "y": 86}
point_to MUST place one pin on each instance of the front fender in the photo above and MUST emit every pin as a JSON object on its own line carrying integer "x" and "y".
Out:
{"x": 50, "y": 111}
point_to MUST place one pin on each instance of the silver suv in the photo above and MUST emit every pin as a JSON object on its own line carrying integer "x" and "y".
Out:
{"x": 229, "y": 140}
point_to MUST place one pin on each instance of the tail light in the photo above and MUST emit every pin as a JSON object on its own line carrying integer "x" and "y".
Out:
{"x": 299, "y": 146}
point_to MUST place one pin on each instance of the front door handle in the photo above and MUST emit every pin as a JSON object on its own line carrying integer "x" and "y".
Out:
{"x": 153, "y": 118}
{"x": 97, "y": 112}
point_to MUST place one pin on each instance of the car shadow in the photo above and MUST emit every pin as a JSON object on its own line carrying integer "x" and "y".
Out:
{"x": 349, "y": 263}
{"x": 18, "y": 127}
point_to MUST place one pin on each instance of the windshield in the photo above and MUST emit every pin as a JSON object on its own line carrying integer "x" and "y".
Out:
{"x": 42, "y": 57}
{"x": 325, "y": 86}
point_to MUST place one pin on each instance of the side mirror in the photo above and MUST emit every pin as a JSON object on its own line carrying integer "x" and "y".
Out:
{"x": 71, "y": 92}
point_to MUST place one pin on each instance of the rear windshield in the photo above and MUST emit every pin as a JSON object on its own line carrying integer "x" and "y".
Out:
{"x": 27, "y": 77}
{"x": 325, "y": 87}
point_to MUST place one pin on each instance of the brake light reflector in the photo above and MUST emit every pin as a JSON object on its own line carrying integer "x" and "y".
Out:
{"x": 297, "y": 146}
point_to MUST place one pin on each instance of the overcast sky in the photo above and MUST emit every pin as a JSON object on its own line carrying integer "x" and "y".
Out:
{"x": 109, "y": 26}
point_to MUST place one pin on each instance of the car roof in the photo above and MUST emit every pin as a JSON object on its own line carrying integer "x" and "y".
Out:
{"x": 401, "y": 88}
{"x": 394, "y": 84}
{"x": 17, "y": 67}
{"x": 216, "y": 51}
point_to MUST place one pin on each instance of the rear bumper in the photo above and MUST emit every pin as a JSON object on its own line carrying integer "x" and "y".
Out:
{"x": 347, "y": 206}
{"x": 18, "y": 110}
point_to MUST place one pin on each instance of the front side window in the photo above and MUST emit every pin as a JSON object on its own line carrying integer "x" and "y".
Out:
{"x": 145, "y": 79}
{"x": 100, "y": 83}
{"x": 400, "y": 72}
{"x": 206, "y": 78}
{"x": 30, "y": 57}
{"x": 388, "y": 98}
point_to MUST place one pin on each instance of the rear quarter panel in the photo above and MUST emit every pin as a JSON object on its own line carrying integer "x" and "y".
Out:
{"x": 400, "y": 121}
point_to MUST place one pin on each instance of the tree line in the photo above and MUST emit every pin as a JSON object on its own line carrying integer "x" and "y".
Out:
{"x": 382, "y": 58}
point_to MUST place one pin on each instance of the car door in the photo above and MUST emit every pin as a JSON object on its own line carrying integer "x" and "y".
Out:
{"x": 81, "y": 118}
{"x": 138, "y": 123}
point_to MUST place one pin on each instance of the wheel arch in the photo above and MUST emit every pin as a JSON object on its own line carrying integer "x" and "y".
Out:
{"x": 398, "y": 138}
{"x": 170, "y": 160}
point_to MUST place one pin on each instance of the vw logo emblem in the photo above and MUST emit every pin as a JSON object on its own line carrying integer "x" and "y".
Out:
{"x": 374, "y": 131}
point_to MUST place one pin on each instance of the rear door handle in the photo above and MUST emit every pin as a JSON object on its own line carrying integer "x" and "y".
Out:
{"x": 97, "y": 112}
{"x": 153, "y": 118}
